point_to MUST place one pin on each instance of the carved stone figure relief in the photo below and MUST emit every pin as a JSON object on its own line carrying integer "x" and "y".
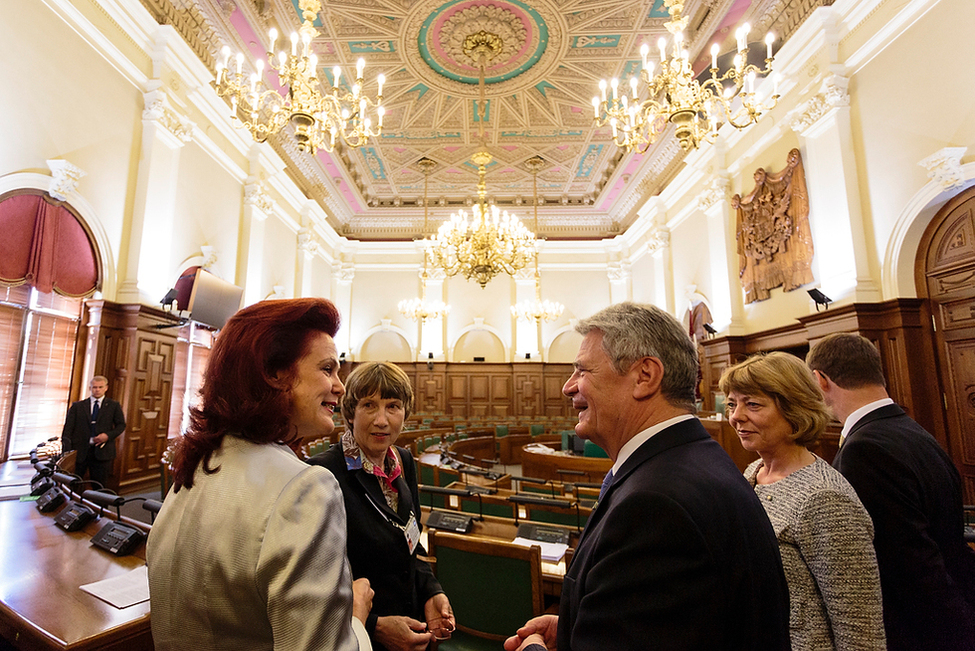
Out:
{"x": 774, "y": 242}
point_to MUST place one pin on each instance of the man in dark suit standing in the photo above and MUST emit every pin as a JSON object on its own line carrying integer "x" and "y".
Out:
{"x": 91, "y": 428}
{"x": 678, "y": 553}
{"x": 912, "y": 491}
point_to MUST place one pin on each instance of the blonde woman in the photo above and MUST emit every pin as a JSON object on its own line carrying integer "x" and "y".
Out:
{"x": 825, "y": 535}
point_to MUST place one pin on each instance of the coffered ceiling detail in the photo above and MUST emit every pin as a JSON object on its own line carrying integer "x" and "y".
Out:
{"x": 538, "y": 92}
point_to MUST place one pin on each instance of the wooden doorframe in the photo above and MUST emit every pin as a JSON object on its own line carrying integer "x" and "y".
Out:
{"x": 944, "y": 275}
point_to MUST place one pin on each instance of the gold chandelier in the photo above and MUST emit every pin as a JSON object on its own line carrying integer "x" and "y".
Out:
{"x": 537, "y": 310}
{"x": 320, "y": 119}
{"x": 674, "y": 95}
{"x": 491, "y": 241}
{"x": 419, "y": 309}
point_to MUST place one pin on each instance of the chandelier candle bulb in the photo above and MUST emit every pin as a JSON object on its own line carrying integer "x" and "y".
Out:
{"x": 602, "y": 88}
{"x": 294, "y": 44}
{"x": 381, "y": 79}
{"x": 645, "y": 53}
{"x": 595, "y": 107}
{"x": 662, "y": 45}
{"x": 714, "y": 56}
{"x": 633, "y": 83}
{"x": 272, "y": 35}
{"x": 614, "y": 82}
{"x": 359, "y": 67}
{"x": 240, "y": 62}
{"x": 769, "y": 39}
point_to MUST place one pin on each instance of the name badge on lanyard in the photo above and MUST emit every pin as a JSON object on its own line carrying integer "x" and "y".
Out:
{"x": 412, "y": 533}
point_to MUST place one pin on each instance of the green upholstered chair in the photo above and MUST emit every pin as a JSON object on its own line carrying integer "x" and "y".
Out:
{"x": 593, "y": 450}
{"x": 566, "y": 441}
{"x": 500, "y": 431}
{"x": 494, "y": 587}
{"x": 428, "y": 474}
{"x": 536, "y": 429}
{"x": 447, "y": 476}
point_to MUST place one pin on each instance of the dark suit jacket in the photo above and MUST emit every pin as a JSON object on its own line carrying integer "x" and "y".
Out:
{"x": 912, "y": 491}
{"x": 77, "y": 428}
{"x": 377, "y": 549}
{"x": 679, "y": 554}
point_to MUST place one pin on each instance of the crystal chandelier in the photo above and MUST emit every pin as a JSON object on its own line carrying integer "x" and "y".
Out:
{"x": 320, "y": 119}
{"x": 490, "y": 242}
{"x": 673, "y": 95}
{"x": 537, "y": 310}
{"x": 419, "y": 309}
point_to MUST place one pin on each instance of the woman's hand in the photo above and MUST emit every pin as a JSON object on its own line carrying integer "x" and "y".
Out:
{"x": 398, "y": 633}
{"x": 362, "y": 595}
{"x": 440, "y": 616}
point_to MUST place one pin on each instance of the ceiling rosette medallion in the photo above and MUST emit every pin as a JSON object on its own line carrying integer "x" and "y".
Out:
{"x": 532, "y": 36}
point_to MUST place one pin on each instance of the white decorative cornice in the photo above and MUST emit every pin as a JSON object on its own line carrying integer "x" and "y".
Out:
{"x": 209, "y": 256}
{"x": 64, "y": 178}
{"x": 525, "y": 274}
{"x": 715, "y": 191}
{"x": 385, "y": 324}
{"x": 833, "y": 93}
{"x": 307, "y": 243}
{"x": 157, "y": 110}
{"x": 256, "y": 195}
{"x": 944, "y": 167}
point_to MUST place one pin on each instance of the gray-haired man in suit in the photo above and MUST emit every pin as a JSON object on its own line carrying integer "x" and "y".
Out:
{"x": 678, "y": 553}
{"x": 91, "y": 427}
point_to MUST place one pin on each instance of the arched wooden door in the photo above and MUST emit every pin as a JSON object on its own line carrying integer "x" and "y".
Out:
{"x": 945, "y": 274}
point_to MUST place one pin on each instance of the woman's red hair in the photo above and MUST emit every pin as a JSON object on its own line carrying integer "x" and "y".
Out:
{"x": 255, "y": 355}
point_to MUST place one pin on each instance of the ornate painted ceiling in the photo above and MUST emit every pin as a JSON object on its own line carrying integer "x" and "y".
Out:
{"x": 538, "y": 92}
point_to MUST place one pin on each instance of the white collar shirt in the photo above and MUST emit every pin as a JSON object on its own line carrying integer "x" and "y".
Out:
{"x": 631, "y": 446}
{"x": 855, "y": 417}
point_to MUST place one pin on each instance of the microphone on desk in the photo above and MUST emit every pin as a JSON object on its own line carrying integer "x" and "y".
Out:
{"x": 153, "y": 507}
{"x": 73, "y": 481}
{"x": 42, "y": 482}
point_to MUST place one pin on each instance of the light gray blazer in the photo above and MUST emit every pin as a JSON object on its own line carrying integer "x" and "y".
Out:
{"x": 252, "y": 557}
{"x": 826, "y": 541}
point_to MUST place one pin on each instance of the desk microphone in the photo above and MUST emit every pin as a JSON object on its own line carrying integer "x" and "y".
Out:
{"x": 42, "y": 482}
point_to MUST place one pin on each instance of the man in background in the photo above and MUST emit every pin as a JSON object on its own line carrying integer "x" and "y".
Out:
{"x": 912, "y": 491}
{"x": 678, "y": 553}
{"x": 91, "y": 427}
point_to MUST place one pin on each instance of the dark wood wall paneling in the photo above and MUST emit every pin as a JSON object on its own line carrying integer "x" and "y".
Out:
{"x": 139, "y": 359}
{"x": 489, "y": 389}
{"x": 901, "y": 330}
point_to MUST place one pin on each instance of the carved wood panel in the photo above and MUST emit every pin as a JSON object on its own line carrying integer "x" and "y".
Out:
{"x": 945, "y": 273}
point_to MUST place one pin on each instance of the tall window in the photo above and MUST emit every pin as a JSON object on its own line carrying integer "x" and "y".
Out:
{"x": 37, "y": 342}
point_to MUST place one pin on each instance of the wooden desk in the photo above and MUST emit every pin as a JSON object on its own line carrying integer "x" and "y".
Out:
{"x": 41, "y": 569}
{"x": 546, "y": 466}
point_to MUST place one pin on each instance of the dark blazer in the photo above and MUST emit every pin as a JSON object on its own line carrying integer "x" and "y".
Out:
{"x": 912, "y": 491}
{"x": 377, "y": 548}
{"x": 77, "y": 428}
{"x": 679, "y": 554}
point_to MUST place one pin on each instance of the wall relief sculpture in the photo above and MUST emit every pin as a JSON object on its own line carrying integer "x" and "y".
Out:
{"x": 774, "y": 242}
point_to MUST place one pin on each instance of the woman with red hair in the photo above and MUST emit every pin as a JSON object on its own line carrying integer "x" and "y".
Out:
{"x": 248, "y": 551}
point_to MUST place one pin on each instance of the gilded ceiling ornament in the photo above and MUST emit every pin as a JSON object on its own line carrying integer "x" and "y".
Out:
{"x": 775, "y": 246}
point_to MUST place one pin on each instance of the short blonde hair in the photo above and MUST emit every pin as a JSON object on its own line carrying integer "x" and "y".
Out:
{"x": 787, "y": 381}
{"x": 388, "y": 380}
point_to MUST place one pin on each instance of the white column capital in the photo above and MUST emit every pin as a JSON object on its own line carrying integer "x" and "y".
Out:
{"x": 158, "y": 110}
{"x": 257, "y": 197}
{"x": 833, "y": 95}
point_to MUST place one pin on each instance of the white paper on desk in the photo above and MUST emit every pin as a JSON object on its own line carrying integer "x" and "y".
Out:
{"x": 552, "y": 552}
{"x": 123, "y": 590}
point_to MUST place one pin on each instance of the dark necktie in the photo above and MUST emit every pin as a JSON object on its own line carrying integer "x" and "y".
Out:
{"x": 606, "y": 483}
{"x": 94, "y": 417}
